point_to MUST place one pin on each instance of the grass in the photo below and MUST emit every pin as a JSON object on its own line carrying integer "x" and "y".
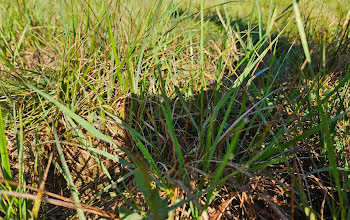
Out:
{"x": 174, "y": 109}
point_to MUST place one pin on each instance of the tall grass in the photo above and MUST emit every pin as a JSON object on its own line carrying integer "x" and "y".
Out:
{"x": 173, "y": 109}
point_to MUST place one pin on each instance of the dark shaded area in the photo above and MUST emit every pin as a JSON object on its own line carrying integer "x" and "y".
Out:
{"x": 147, "y": 117}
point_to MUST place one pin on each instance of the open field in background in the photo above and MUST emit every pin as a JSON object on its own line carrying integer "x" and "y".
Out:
{"x": 323, "y": 10}
{"x": 174, "y": 109}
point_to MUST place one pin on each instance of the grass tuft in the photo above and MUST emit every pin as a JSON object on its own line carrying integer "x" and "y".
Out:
{"x": 174, "y": 109}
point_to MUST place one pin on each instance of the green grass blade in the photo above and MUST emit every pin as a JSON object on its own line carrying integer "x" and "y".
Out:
{"x": 5, "y": 162}
{"x": 88, "y": 145}
{"x": 221, "y": 129}
{"x": 139, "y": 65}
{"x": 169, "y": 122}
{"x": 115, "y": 54}
{"x": 260, "y": 19}
{"x": 146, "y": 154}
{"x": 333, "y": 162}
{"x": 137, "y": 138}
{"x": 20, "y": 41}
{"x": 224, "y": 162}
{"x": 73, "y": 189}
{"x": 301, "y": 31}
{"x": 21, "y": 179}
{"x": 7, "y": 63}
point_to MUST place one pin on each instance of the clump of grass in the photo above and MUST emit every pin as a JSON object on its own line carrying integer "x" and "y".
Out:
{"x": 173, "y": 110}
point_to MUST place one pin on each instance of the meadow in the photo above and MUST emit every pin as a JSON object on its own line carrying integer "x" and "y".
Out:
{"x": 169, "y": 109}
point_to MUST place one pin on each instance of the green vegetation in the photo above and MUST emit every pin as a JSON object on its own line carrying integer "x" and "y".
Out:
{"x": 174, "y": 109}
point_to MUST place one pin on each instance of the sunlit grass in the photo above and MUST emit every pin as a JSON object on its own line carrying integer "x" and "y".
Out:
{"x": 156, "y": 109}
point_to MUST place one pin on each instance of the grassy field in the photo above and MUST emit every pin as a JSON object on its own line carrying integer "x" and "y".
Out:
{"x": 174, "y": 109}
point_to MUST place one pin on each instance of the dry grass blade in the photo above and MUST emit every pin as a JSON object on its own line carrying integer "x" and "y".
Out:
{"x": 274, "y": 207}
{"x": 58, "y": 203}
{"x": 37, "y": 203}
{"x": 219, "y": 213}
{"x": 182, "y": 185}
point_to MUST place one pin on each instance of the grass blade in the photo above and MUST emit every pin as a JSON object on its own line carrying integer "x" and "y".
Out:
{"x": 224, "y": 162}
{"x": 5, "y": 162}
{"x": 73, "y": 189}
{"x": 301, "y": 31}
